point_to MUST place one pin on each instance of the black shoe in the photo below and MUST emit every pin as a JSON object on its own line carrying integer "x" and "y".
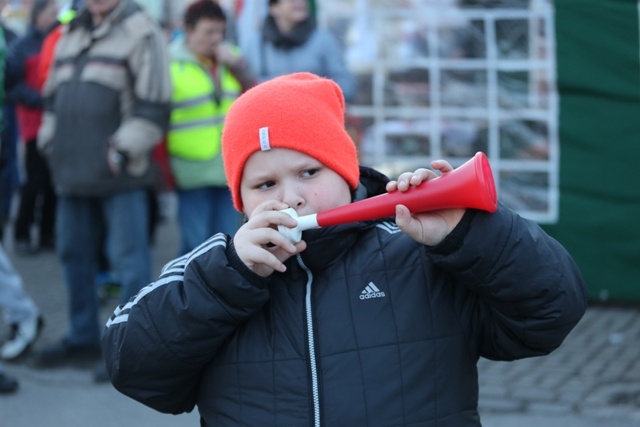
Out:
{"x": 7, "y": 384}
{"x": 64, "y": 353}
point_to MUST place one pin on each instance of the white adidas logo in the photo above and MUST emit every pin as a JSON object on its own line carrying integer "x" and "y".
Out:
{"x": 371, "y": 291}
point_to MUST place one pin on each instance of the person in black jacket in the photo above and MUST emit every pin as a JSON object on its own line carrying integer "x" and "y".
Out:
{"x": 376, "y": 322}
{"x": 37, "y": 202}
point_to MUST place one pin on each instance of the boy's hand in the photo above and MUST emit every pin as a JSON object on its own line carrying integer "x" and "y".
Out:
{"x": 428, "y": 228}
{"x": 259, "y": 244}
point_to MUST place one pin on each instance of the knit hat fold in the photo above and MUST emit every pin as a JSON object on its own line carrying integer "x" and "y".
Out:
{"x": 298, "y": 111}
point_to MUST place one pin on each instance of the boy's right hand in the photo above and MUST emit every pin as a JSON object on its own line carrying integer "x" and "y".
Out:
{"x": 260, "y": 245}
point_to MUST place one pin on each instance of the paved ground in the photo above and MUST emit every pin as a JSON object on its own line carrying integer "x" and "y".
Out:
{"x": 593, "y": 380}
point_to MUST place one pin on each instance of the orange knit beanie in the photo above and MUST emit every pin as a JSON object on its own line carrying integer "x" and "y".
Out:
{"x": 299, "y": 111}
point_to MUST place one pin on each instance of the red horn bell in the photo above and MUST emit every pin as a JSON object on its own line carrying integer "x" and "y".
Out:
{"x": 469, "y": 186}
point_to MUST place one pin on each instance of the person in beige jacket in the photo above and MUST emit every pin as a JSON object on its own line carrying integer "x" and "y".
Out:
{"x": 107, "y": 103}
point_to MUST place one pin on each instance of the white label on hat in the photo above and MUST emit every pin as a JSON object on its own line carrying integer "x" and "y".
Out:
{"x": 264, "y": 139}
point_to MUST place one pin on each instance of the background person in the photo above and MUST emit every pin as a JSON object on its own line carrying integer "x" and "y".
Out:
{"x": 19, "y": 310}
{"x": 37, "y": 202}
{"x": 107, "y": 105}
{"x": 9, "y": 135}
{"x": 290, "y": 41}
{"x": 207, "y": 75}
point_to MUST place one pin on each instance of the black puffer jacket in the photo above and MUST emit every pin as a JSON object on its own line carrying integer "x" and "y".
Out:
{"x": 366, "y": 327}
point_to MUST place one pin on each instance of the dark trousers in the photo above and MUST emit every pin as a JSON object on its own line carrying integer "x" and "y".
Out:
{"x": 37, "y": 198}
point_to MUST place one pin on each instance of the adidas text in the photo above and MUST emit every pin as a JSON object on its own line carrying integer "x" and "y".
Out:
{"x": 371, "y": 291}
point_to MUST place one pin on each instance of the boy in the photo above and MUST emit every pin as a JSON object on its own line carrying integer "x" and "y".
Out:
{"x": 255, "y": 330}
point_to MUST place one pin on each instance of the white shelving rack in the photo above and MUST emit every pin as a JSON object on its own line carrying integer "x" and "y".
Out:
{"x": 446, "y": 78}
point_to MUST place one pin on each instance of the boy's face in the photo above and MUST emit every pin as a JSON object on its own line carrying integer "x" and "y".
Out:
{"x": 294, "y": 178}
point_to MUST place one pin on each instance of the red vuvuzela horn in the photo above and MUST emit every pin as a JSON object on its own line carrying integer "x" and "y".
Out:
{"x": 469, "y": 186}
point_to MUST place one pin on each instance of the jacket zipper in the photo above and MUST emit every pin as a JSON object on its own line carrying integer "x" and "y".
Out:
{"x": 312, "y": 348}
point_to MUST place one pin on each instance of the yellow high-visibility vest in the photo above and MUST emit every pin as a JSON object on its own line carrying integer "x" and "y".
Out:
{"x": 195, "y": 127}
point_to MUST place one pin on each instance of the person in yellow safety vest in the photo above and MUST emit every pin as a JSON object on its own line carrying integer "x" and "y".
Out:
{"x": 207, "y": 74}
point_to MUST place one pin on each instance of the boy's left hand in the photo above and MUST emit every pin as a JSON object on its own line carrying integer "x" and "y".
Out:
{"x": 428, "y": 228}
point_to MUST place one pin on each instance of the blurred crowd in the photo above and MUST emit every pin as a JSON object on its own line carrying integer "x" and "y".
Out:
{"x": 108, "y": 106}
